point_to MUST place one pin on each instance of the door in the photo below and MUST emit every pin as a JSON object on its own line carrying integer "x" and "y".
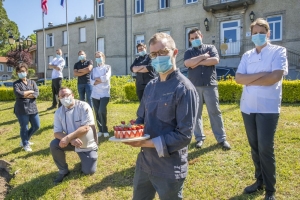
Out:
{"x": 230, "y": 38}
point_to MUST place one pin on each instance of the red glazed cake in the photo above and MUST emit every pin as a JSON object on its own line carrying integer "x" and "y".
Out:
{"x": 128, "y": 131}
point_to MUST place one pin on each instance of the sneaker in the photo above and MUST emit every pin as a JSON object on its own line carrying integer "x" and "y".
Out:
{"x": 27, "y": 148}
{"x": 60, "y": 178}
{"x": 257, "y": 186}
{"x": 29, "y": 143}
{"x": 106, "y": 134}
{"x": 99, "y": 134}
{"x": 199, "y": 144}
{"x": 225, "y": 145}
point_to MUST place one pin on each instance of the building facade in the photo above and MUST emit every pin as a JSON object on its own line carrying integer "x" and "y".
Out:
{"x": 5, "y": 71}
{"x": 120, "y": 25}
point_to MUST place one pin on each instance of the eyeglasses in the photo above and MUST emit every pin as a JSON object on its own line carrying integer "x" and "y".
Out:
{"x": 162, "y": 52}
{"x": 66, "y": 95}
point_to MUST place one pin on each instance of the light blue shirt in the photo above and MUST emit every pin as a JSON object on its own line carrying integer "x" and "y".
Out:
{"x": 58, "y": 62}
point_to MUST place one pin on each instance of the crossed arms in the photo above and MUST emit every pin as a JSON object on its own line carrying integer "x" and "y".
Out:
{"x": 261, "y": 78}
{"x": 203, "y": 59}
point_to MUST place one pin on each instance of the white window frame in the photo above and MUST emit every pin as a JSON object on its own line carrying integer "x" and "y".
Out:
{"x": 9, "y": 69}
{"x": 65, "y": 56}
{"x": 165, "y": 31}
{"x": 1, "y": 67}
{"x": 140, "y": 6}
{"x": 231, "y": 45}
{"x": 65, "y": 37}
{"x": 225, "y": 1}
{"x": 138, "y": 39}
{"x": 272, "y": 25}
{"x": 100, "y": 9}
{"x": 50, "y": 40}
{"x": 100, "y": 44}
{"x": 187, "y": 29}
{"x": 82, "y": 34}
{"x": 166, "y": 3}
{"x": 191, "y": 1}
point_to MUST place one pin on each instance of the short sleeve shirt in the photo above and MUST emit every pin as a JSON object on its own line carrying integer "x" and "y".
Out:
{"x": 202, "y": 75}
{"x": 85, "y": 79}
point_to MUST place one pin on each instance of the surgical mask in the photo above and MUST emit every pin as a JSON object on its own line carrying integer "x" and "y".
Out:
{"x": 259, "y": 39}
{"x": 66, "y": 101}
{"x": 142, "y": 53}
{"x": 98, "y": 60}
{"x": 162, "y": 64}
{"x": 22, "y": 74}
{"x": 58, "y": 56}
{"x": 81, "y": 57}
{"x": 196, "y": 42}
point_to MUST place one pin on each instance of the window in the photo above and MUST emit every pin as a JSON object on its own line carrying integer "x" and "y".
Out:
{"x": 191, "y": 1}
{"x": 164, "y": 4}
{"x": 139, "y": 6}
{"x": 50, "y": 58}
{"x": 1, "y": 68}
{"x": 65, "y": 37}
{"x": 187, "y": 30}
{"x": 9, "y": 69}
{"x": 50, "y": 40}
{"x": 224, "y": 1}
{"x": 167, "y": 32}
{"x": 275, "y": 23}
{"x": 138, "y": 39}
{"x": 230, "y": 37}
{"x": 101, "y": 9}
{"x": 100, "y": 44}
{"x": 66, "y": 59}
{"x": 82, "y": 36}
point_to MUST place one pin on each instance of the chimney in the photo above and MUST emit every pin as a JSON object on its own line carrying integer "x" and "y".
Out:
{"x": 50, "y": 24}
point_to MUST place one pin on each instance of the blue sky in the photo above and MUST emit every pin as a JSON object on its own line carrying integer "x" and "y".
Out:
{"x": 27, "y": 14}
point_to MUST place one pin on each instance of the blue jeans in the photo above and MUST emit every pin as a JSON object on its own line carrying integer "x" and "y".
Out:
{"x": 209, "y": 95}
{"x": 85, "y": 91}
{"x": 26, "y": 133}
{"x": 146, "y": 185}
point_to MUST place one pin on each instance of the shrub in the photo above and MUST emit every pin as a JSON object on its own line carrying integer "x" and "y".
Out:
{"x": 229, "y": 91}
{"x": 130, "y": 92}
{"x": 6, "y": 94}
{"x": 117, "y": 83}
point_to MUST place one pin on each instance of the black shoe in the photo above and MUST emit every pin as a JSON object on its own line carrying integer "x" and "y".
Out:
{"x": 52, "y": 107}
{"x": 270, "y": 196}
{"x": 254, "y": 187}
{"x": 60, "y": 178}
{"x": 225, "y": 145}
{"x": 199, "y": 144}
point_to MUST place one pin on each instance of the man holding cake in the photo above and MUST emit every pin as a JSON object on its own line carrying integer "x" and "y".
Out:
{"x": 168, "y": 111}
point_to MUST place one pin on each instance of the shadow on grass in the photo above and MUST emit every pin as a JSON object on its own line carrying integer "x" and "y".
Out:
{"x": 10, "y": 108}
{"x": 116, "y": 180}
{"x": 247, "y": 196}
{"x": 8, "y": 122}
{"x": 14, "y": 137}
{"x": 44, "y": 128}
{"x": 16, "y": 150}
{"x": 194, "y": 156}
{"x": 42, "y": 152}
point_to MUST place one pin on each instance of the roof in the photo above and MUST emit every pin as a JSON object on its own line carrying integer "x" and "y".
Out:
{"x": 3, "y": 59}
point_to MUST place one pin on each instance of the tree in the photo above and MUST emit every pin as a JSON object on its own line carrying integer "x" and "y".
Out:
{"x": 85, "y": 17}
{"x": 15, "y": 57}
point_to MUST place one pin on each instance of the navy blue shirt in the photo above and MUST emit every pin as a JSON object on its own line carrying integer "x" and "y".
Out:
{"x": 143, "y": 78}
{"x": 202, "y": 75}
{"x": 85, "y": 79}
{"x": 25, "y": 106}
{"x": 168, "y": 110}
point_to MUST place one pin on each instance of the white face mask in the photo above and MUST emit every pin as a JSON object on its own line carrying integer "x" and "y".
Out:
{"x": 67, "y": 101}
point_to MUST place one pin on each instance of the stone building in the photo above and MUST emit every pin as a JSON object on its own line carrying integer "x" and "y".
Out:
{"x": 121, "y": 24}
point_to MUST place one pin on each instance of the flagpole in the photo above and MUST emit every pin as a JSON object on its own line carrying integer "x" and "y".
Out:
{"x": 44, "y": 50}
{"x": 68, "y": 41}
{"x": 95, "y": 23}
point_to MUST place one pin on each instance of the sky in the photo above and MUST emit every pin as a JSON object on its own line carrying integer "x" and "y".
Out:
{"x": 27, "y": 14}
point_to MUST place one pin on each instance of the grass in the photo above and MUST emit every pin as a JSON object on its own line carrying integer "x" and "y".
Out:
{"x": 213, "y": 173}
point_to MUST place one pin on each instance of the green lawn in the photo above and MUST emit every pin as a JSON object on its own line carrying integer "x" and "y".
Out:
{"x": 213, "y": 173}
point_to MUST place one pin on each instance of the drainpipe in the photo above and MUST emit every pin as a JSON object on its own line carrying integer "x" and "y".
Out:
{"x": 125, "y": 7}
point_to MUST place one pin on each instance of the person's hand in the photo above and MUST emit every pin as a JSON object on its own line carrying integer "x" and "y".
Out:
{"x": 64, "y": 142}
{"x": 206, "y": 55}
{"x": 76, "y": 142}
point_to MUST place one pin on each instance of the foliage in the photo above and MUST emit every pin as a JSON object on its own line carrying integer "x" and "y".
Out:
{"x": 6, "y": 93}
{"x": 291, "y": 91}
{"x": 130, "y": 91}
{"x": 229, "y": 90}
{"x": 15, "y": 57}
{"x": 31, "y": 73}
{"x": 213, "y": 173}
{"x": 117, "y": 91}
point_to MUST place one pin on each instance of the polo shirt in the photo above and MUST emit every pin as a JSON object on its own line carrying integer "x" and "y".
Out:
{"x": 85, "y": 79}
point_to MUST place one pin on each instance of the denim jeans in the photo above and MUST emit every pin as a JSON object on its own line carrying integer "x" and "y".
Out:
{"x": 26, "y": 133}
{"x": 209, "y": 95}
{"x": 85, "y": 91}
{"x": 260, "y": 129}
{"x": 146, "y": 185}
{"x": 101, "y": 113}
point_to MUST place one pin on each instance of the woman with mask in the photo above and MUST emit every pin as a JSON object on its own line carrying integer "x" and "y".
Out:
{"x": 143, "y": 69}
{"x": 100, "y": 81}
{"x": 26, "y": 92}
{"x": 260, "y": 71}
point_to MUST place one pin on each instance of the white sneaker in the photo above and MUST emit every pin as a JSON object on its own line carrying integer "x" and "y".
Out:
{"x": 27, "y": 148}
{"x": 30, "y": 143}
{"x": 99, "y": 134}
{"x": 106, "y": 134}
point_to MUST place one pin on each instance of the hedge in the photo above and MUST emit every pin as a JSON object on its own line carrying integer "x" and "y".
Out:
{"x": 123, "y": 89}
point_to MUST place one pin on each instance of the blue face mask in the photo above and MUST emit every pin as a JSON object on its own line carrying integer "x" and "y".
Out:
{"x": 196, "y": 42}
{"x": 58, "y": 56}
{"x": 98, "y": 60}
{"x": 162, "y": 64}
{"x": 142, "y": 53}
{"x": 81, "y": 57}
{"x": 22, "y": 75}
{"x": 259, "y": 39}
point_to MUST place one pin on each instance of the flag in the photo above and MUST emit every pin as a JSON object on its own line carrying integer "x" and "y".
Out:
{"x": 44, "y": 6}
{"x": 62, "y": 3}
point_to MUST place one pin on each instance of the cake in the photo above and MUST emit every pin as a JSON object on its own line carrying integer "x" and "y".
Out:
{"x": 128, "y": 131}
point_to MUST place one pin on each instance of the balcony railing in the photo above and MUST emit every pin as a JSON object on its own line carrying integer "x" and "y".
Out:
{"x": 234, "y": 48}
{"x": 213, "y": 5}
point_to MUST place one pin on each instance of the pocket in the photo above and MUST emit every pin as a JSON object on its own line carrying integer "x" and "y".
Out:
{"x": 166, "y": 110}
{"x": 77, "y": 123}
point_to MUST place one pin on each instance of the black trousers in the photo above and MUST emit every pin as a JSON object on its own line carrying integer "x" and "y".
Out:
{"x": 56, "y": 84}
{"x": 140, "y": 94}
{"x": 100, "y": 108}
{"x": 260, "y": 129}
